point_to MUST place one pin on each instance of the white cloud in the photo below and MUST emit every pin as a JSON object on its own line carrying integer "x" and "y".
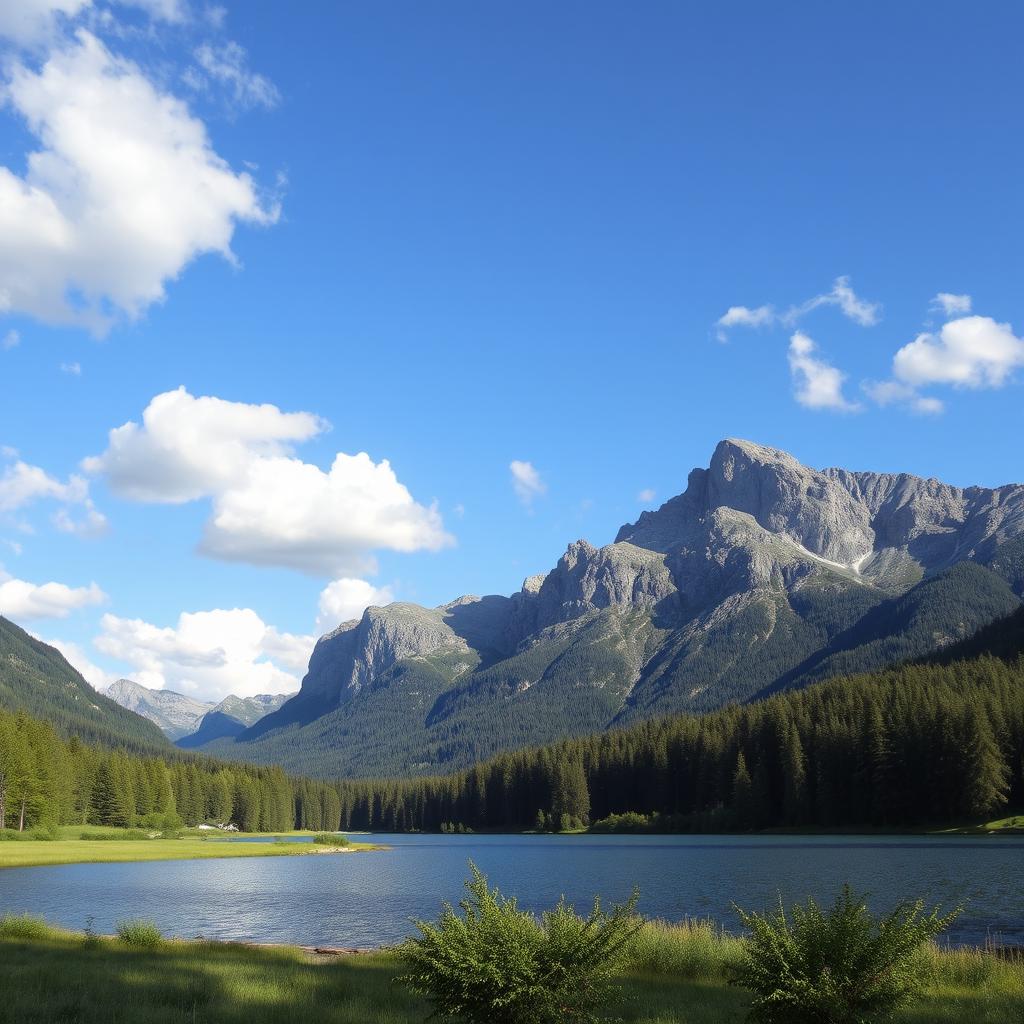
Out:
{"x": 11, "y": 339}
{"x": 952, "y": 305}
{"x": 646, "y": 495}
{"x": 744, "y": 316}
{"x": 91, "y": 524}
{"x": 526, "y": 481}
{"x": 971, "y": 352}
{"x": 269, "y": 508}
{"x": 347, "y": 599}
{"x": 21, "y": 600}
{"x": 188, "y": 448}
{"x": 27, "y": 22}
{"x": 208, "y": 654}
{"x": 818, "y": 385}
{"x": 74, "y": 369}
{"x": 122, "y": 193}
{"x": 894, "y": 392}
{"x": 226, "y": 64}
{"x": 842, "y": 296}
{"x": 22, "y": 484}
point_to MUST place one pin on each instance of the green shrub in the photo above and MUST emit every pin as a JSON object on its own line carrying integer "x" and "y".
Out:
{"x": 690, "y": 949}
{"x": 841, "y": 966}
{"x": 139, "y": 934}
{"x": 45, "y": 833}
{"x": 24, "y": 926}
{"x": 331, "y": 839}
{"x": 134, "y": 834}
{"x": 498, "y": 964}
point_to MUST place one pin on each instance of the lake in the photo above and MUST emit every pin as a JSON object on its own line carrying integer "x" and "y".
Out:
{"x": 367, "y": 899}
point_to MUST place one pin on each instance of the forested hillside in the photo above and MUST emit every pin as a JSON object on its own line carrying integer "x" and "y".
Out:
{"x": 916, "y": 745}
{"x": 46, "y": 780}
{"x": 37, "y": 679}
{"x": 919, "y": 744}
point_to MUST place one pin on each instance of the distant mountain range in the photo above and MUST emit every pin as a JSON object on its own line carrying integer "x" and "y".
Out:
{"x": 189, "y": 722}
{"x": 764, "y": 574}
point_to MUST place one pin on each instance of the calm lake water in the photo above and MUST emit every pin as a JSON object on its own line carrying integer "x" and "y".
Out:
{"x": 367, "y": 899}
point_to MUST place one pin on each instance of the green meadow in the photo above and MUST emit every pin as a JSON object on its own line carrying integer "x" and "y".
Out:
{"x": 677, "y": 974}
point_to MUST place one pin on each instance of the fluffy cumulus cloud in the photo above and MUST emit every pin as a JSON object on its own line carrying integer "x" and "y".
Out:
{"x": 23, "y": 601}
{"x": 817, "y": 384}
{"x": 970, "y": 352}
{"x": 208, "y": 654}
{"x": 526, "y": 481}
{"x": 123, "y": 190}
{"x": 952, "y": 305}
{"x": 346, "y": 599}
{"x": 268, "y": 506}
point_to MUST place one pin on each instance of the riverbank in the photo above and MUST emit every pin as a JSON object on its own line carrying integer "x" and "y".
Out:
{"x": 70, "y": 848}
{"x": 677, "y": 974}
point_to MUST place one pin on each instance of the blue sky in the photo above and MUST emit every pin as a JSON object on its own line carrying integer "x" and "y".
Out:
{"x": 456, "y": 236}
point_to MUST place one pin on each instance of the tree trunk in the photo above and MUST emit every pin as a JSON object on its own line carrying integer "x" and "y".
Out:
{"x": 21, "y": 817}
{"x": 3, "y": 805}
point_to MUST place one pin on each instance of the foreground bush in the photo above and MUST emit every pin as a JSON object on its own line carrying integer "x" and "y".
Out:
{"x": 840, "y": 966}
{"x": 498, "y": 964}
{"x": 139, "y": 934}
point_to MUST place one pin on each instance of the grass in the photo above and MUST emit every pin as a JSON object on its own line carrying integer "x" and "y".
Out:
{"x": 677, "y": 975}
{"x": 121, "y": 845}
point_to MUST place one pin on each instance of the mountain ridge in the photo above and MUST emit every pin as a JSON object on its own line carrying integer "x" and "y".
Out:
{"x": 760, "y": 566}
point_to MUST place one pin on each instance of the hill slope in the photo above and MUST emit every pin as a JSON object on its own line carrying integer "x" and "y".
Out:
{"x": 763, "y": 574}
{"x": 37, "y": 679}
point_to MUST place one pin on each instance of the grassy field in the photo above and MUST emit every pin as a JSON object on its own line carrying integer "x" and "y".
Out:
{"x": 677, "y": 975}
{"x": 192, "y": 845}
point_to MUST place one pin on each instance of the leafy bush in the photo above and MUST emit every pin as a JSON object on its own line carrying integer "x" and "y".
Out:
{"x": 842, "y": 966}
{"x": 45, "y": 833}
{"x": 330, "y": 839}
{"x": 139, "y": 934}
{"x": 167, "y": 822}
{"x": 24, "y": 926}
{"x": 498, "y": 964}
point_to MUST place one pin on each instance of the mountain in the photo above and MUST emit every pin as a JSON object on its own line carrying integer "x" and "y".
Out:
{"x": 763, "y": 574}
{"x": 37, "y": 679}
{"x": 173, "y": 713}
{"x": 231, "y": 717}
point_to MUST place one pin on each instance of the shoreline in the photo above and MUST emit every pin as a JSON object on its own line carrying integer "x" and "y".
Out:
{"x": 35, "y": 853}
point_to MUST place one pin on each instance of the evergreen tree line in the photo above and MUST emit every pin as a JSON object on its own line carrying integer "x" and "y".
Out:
{"x": 918, "y": 744}
{"x": 45, "y": 780}
{"x": 914, "y": 745}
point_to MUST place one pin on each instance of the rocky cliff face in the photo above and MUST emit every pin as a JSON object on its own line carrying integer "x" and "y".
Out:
{"x": 760, "y": 571}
